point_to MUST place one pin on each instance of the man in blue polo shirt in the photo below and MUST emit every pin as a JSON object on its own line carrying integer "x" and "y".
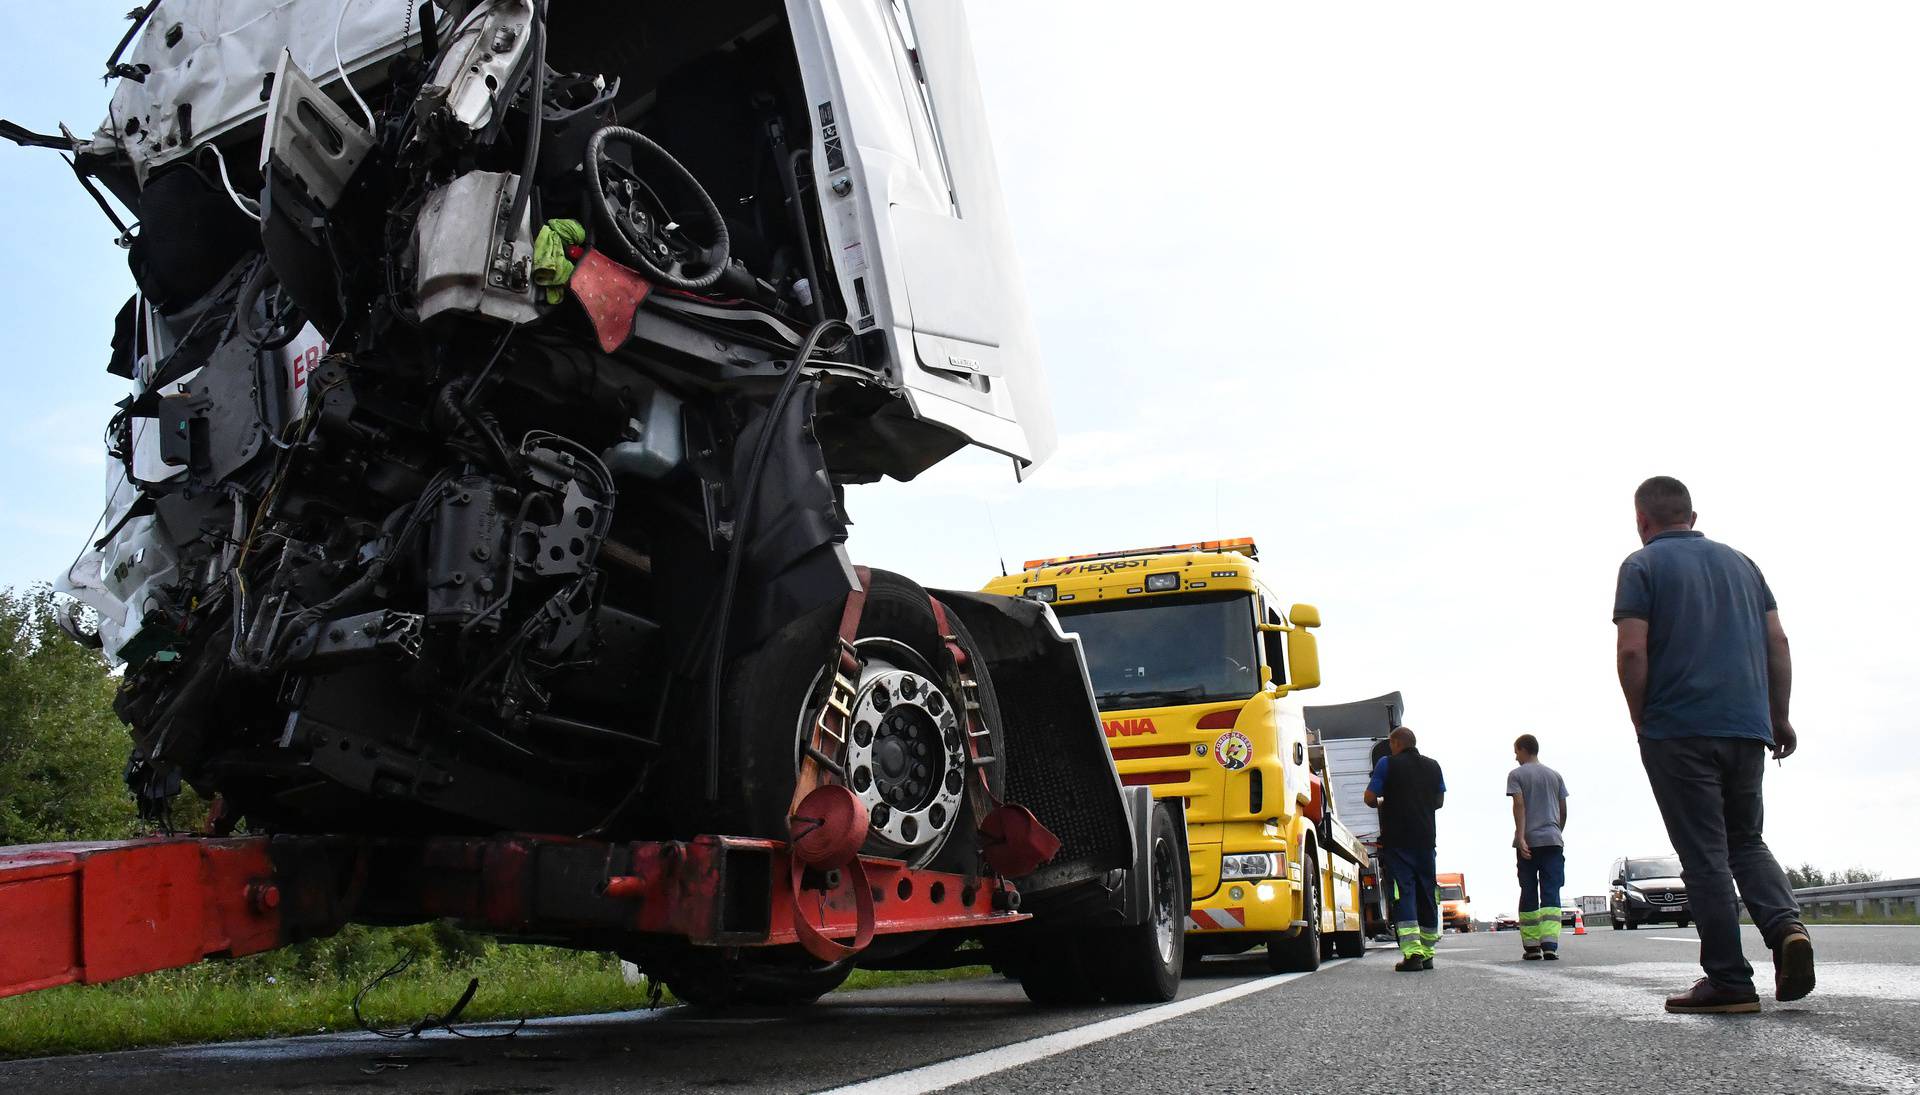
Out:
{"x": 1704, "y": 665}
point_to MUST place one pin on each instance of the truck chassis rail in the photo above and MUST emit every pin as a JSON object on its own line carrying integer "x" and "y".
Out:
{"x": 98, "y": 911}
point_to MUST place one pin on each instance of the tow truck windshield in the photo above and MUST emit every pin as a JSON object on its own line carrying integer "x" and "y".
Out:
{"x": 1451, "y": 893}
{"x": 1163, "y": 653}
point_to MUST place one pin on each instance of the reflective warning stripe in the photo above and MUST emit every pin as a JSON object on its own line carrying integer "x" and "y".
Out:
{"x": 1209, "y": 919}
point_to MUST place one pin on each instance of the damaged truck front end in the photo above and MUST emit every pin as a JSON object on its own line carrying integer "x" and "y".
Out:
{"x": 498, "y": 369}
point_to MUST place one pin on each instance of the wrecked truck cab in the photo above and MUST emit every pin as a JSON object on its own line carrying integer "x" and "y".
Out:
{"x": 463, "y": 456}
{"x": 878, "y": 101}
{"x": 478, "y": 513}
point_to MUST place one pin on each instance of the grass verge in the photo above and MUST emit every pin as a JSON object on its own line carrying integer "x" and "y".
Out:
{"x": 312, "y": 993}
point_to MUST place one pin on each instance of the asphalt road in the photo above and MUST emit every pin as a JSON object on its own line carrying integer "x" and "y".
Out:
{"x": 1481, "y": 1021}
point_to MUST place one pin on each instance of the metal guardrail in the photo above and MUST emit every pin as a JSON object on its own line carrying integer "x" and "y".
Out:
{"x": 1890, "y": 894}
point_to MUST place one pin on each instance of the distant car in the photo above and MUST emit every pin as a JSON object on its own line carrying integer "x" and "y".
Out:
{"x": 1647, "y": 890}
{"x": 1569, "y": 916}
{"x": 1505, "y": 924}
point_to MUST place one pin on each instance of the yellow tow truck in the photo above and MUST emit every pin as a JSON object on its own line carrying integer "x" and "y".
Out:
{"x": 1193, "y": 664}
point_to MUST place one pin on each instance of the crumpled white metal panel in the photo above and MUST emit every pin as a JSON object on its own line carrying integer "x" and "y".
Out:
{"x": 221, "y": 59}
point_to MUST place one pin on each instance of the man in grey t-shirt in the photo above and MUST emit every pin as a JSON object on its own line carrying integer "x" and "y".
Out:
{"x": 1539, "y": 815}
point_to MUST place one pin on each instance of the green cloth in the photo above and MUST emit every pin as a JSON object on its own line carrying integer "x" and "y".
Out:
{"x": 551, "y": 266}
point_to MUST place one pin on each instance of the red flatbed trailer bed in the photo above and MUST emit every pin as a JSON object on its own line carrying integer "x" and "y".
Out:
{"x": 98, "y": 911}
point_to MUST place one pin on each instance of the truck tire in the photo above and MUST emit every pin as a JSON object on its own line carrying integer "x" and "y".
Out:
{"x": 1349, "y": 944}
{"x": 1300, "y": 952}
{"x": 773, "y": 691}
{"x": 1142, "y": 963}
{"x": 1056, "y": 970}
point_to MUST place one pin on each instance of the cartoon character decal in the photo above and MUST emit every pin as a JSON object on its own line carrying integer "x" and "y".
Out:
{"x": 1233, "y": 750}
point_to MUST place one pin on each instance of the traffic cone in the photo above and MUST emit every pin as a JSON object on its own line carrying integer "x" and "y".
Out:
{"x": 1579, "y": 922}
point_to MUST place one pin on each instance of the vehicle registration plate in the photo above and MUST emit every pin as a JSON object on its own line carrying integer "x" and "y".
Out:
{"x": 1669, "y": 908}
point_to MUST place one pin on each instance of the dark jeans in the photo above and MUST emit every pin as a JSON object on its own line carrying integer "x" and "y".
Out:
{"x": 1413, "y": 888}
{"x": 1416, "y": 910}
{"x": 1540, "y": 880}
{"x": 1708, "y": 790}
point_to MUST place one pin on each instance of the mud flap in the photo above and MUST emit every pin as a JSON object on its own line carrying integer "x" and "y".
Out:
{"x": 1057, "y": 763}
{"x": 1136, "y": 895}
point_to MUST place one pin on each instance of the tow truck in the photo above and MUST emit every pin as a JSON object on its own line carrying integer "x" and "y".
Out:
{"x": 475, "y": 533}
{"x": 1194, "y": 664}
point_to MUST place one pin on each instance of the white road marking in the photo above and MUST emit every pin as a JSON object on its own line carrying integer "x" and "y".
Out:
{"x": 1632, "y": 993}
{"x": 973, "y": 1066}
{"x": 1676, "y": 938}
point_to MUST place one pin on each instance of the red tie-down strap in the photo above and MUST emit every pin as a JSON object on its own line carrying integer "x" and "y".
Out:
{"x": 1016, "y": 842}
{"x": 827, "y": 829}
{"x": 826, "y": 822}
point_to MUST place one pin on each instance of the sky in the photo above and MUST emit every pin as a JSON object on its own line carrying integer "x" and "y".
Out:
{"x": 1415, "y": 295}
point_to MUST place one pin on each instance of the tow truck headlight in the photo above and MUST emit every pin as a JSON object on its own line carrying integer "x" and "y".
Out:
{"x": 1163, "y": 583}
{"x": 1044, "y": 594}
{"x": 1250, "y": 866}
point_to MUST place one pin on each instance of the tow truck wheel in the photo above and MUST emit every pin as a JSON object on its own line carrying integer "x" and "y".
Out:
{"x": 906, "y": 751}
{"x": 1349, "y": 945}
{"x": 1300, "y": 952}
{"x": 1142, "y": 963}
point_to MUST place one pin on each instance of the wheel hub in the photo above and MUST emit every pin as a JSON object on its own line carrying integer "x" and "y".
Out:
{"x": 904, "y": 756}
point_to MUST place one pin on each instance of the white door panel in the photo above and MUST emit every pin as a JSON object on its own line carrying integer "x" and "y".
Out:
{"x": 914, "y": 213}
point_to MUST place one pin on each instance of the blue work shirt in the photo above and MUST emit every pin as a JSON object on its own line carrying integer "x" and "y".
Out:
{"x": 1706, "y": 609}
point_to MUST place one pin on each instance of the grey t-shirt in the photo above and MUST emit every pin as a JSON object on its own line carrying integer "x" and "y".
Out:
{"x": 1541, "y": 788}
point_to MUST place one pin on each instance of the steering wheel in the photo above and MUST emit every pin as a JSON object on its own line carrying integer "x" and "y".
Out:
{"x": 640, "y": 194}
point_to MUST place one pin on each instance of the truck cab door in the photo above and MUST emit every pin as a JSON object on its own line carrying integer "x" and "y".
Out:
{"x": 918, "y": 235}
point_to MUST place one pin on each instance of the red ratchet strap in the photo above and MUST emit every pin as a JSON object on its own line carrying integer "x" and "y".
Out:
{"x": 1016, "y": 842}
{"x": 967, "y": 690}
{"x": 826, "y": 823}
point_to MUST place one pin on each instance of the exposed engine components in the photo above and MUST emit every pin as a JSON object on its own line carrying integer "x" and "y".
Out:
{"x": 310, "y": 138}
{"x": 404, "y": 541}
{"x": 471, "y": 258}
{"x": 488, "y": 52}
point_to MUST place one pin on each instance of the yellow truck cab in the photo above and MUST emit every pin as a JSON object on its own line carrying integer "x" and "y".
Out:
{"x": 1193, "y": 663}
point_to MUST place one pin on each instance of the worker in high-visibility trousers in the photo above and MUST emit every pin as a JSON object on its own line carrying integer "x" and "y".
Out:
{"x": 1407, "y": 788}
{"x": 1539, "y": 819}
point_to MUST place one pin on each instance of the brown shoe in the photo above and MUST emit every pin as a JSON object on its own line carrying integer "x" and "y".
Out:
{"x": 1793, "y": 966}
{"x": 1707, "y": 998}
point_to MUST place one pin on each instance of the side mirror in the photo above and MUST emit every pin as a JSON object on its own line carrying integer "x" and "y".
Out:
{"x": 1303, "y": 660}
{"x": 1619, "y": 881}
{"x": 1303, "y": 616}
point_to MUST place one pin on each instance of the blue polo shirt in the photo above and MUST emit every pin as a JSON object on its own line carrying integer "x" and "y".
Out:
{"x": 1705, "y": 605}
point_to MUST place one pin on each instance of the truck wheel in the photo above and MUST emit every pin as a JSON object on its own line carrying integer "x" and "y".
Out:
{"x": 1349, "y": 944}
{"x": 1631, "y": 926}
{"x": 1056, "y": 971}
{"x": 1615, "y": 923}
{"x": 1142, "y": 963}
{"x": 907, "y": 753}
{"x": 1300, "y": 952}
